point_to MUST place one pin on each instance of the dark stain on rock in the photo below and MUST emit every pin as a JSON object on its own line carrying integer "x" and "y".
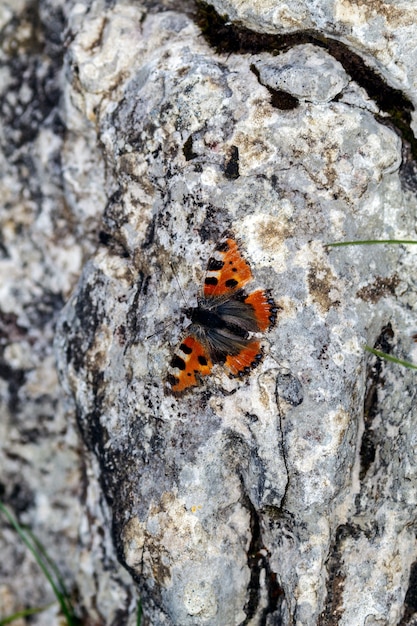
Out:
{"x": 214, "y": 223}
{"x": 35, "y": 60}
{"x": 228, "y": 37}
{"x": 374, "y": 382}
{"x": 231, "y": 166}
{"x": 88, "y": 308}
{"x": 279, "y": 99}
{"x": 15, "y": 377}
{"x": 121, "y": 334}
{"x": 40, "y": 311}
{"x": 114, "y": 220}
{"x": 18, "y": 496}
{"x": 88, "y": 314}
{"x": 10, "y": 329}
{"x": 133, "y": 318}
{"x": 91, "y": 431}
{"x": 378, "y": 288}
{"x": 149, "y": 238}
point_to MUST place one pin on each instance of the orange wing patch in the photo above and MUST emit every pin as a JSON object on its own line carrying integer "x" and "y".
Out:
{"x": 188, "y": 365}
{"x": 246, "y": 360}
{"x": 227, "y": 270}
{"x": 265, "y": 308}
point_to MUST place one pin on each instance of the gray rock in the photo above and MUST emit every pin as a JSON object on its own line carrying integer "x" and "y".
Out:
{"x": 287, "y": 496}
{"x": 382, "y": 33}
{"x": 48, "y": 228}
{"x": 306, "y": 72}
{"x": 255, "y": 500}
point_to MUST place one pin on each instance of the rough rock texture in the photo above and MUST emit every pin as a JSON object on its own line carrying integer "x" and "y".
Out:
{"x": 254, "y": 501}
{"x": 382, "y": 32}
{"x": 288, "y": 497}
{"x": 48, "y": 230}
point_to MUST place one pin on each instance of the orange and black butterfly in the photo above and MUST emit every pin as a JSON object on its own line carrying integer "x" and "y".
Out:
{"x": 224, "y": 322}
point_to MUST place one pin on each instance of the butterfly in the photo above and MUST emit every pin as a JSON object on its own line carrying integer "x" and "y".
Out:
{"x": 224, "y": 321}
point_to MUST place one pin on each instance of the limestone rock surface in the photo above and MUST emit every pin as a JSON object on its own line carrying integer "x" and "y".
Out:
{"x": 133, "y": 135}
{"x": 248, "y": 501}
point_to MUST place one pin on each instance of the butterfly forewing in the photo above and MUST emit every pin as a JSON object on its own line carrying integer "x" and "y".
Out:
{"x": 227, "y": 270}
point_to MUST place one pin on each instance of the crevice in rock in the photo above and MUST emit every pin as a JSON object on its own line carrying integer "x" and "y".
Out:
{"x": 187, "y": 149}
{"x": 258, "y": 560}
{"x": 410, "y": 601}
{"x": 275, "y": 596}
{"x": 333, "y": 610}
{"x": 374, "y": 381}
{"x": 254, "y": 562}
{"x": 292, "y": 392}
{"x": 408, "y": 170}
{"x": 104, "y": 238}
{"x": 279, "y": 99}
{"x": 227, "y": 37}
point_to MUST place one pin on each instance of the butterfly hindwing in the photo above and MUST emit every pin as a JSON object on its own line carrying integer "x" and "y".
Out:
{"x": 246, "y": 359}
{"x": 264, "y": 308}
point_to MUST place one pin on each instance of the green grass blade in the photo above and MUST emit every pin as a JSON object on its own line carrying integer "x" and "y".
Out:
{"x": 24, "y": 613}
{"x": 139, "y": 617}
{"x": 393, "y": 359}
{"x": 66, "y": 610}
{"x": 53, "y": 568}
{"x": 367, "y": 242}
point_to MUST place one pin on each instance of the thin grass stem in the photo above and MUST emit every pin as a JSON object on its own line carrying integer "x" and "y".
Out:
{"x": 367, "y": 242}
{"x": 389, "y": 357}
{"x": 139, "y": 614}
{"x": 24, "y": 613}
{"x": 61, "y": 597}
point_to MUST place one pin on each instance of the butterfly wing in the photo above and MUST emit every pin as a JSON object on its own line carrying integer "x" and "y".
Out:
{"x": 235, "y": 349}
{"x": 190, "y": 362}
{"x": 248, "y": 358}
{"x": 227, "y": 270}
{"x": 254, "y": 312}
{"x": 264, "y": 308}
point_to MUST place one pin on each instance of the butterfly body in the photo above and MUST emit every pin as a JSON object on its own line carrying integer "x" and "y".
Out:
{"x": 223, "y": 323}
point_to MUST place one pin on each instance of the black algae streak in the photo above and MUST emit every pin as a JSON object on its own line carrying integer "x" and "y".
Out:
{"x": 227, "y": 38}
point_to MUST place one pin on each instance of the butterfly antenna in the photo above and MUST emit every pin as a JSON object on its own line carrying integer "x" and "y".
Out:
{"x": 174, "y": 271}
{"x": 160, "y": 330}
{"x": 165, "y": 325}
